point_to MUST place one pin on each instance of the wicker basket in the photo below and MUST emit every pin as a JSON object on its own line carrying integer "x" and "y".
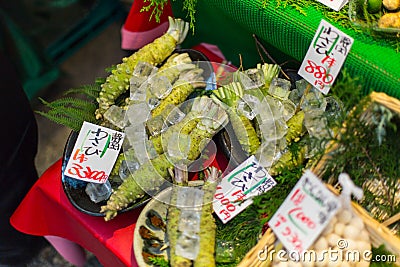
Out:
{"x": 379, "y": 232}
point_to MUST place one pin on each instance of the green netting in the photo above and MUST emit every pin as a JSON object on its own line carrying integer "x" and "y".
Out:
{"x": 371, "y": 58}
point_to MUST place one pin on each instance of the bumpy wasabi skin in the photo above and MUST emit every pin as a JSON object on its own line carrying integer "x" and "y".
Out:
{"x": 244, "y": 132}
{"x": 154, "y": 53}
{"x": 296, "y": 128}
{"x": 185, "y": 126}
{"x": 150, "y": 176}
{"x": 172, "y": 230}
{"x": 287, "y": 160}
{"x": 208, "y": 228}
{"x": 179, "y": 94}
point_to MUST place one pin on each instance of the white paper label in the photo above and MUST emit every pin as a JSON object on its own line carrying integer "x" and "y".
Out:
{"x": 95, "y": 152}
{"x": 325, "y": 56}
{"x": 334, "y": 4}
{"x": 234, "y": 192}
{"x": 304, "y": 214}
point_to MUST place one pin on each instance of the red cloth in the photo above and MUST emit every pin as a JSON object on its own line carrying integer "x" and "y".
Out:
{"x": 140, "y": 28}
{"x": 46, "y": 210}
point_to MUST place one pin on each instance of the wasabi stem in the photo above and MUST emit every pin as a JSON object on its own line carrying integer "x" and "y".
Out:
{"x": 185, "y": 126}
{"x": 270, "y": 71}
{"x": 182, "y": 88}
{"x": 150, "y": 176}
{"x": 180, "y": 178}
{"x": 206, "y": 255}
{"x": 296, "y": 127}
{"x": 241, "y": 125}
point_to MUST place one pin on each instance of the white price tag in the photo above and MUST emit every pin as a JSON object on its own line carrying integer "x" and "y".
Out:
{"x": 234, "y": 192}
{"x": 304, "y": 214}
{"x": 325, "y": 56}
{"x": 334, "y": 4}
{"x": 95, "y": 152}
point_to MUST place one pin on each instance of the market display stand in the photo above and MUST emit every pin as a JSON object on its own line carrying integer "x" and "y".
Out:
{"x": 288, "y": 34}
{"x": 46, "y": 211}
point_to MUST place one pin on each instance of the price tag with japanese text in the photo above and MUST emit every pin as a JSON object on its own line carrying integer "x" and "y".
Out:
{"x": 334, "y": 4}
{"x": 95, "y": 152}
{"x": 234, "y": 192}
{"x": 325, "y": 56}
{"x": 305, "y": 213}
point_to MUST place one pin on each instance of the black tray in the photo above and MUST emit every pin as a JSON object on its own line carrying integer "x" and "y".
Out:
{"x": 75, "y": 189}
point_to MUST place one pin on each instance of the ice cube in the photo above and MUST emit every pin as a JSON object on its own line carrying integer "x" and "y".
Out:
{"x": 116, "y": 116}
{"x": 156, "y": 125}
{"x": 279, "y": 88}
{"x": 136, "y": 81}
{"x": 188, "y": 245}
{"x": 144, "y": 151}
{"x": 333, "y": 107}
{"x": 135, "y": 133}
{"x": 160, "y": 86}
{"x": 289, "y": 109}
{"x": 273, "y": 129}
{"x": 250, "y": 79}
{"x": 254, "y": 78}
{"x": 316, "y": 123}
{"x": 138, "y": 113}
{"x": 270, "y": 108}
{"x": 175, "y": 115}
{"x": 141, "y": 72}
{"x": 189, "y": 220}
{"x": 178, "y": 146}
{"x": 295, "y": 96}
{"x": 189, "y": 198}
{"x": 127, "y": 168}
{"x": 153, "y": 102}
{"x": 314, "y": 99}
{"x": 98, "y": 192}
{"x": 225, "y": 251}
{"x": 301, "y": 86}
{"x": 138, "y": 93}
{"x": 248, "y": 106}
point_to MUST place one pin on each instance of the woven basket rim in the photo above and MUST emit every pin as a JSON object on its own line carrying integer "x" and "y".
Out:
{"x": 379, "y": 233}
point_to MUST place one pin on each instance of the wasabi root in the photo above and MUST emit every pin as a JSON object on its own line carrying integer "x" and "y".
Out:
{"x": 149, "y": 177}
{"x": 208, "y": 228}
{"x": 154, "y": 53}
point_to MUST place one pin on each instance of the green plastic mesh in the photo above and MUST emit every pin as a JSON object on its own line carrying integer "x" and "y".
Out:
{"x": 375, "y": 62}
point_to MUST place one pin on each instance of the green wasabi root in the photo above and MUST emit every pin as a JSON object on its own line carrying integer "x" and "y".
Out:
{"x": 244, "y": 132}
{"x": 296, "y": 128}
{"x": 208, "y": 228}
{"x": 288, "y": 161}
{"x": 149, "y": 177}
{"x": 242, "y": 127}
{"x": 153, "y": 53}
{"x": 173, "y": 217}
{"x": 185, "y": 126}
{"x": 182, "y": 88}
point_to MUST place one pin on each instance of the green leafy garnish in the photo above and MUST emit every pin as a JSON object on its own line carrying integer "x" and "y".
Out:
{"x": 77, "y": 105}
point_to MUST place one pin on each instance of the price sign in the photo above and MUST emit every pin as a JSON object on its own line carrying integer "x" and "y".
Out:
{"x": 234, "y": 192}
{"x": 304, "y": 214}
{"x": 334, "y": 4}
{"x": 325, "y": 56}
{"x": 95, "y": 152}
